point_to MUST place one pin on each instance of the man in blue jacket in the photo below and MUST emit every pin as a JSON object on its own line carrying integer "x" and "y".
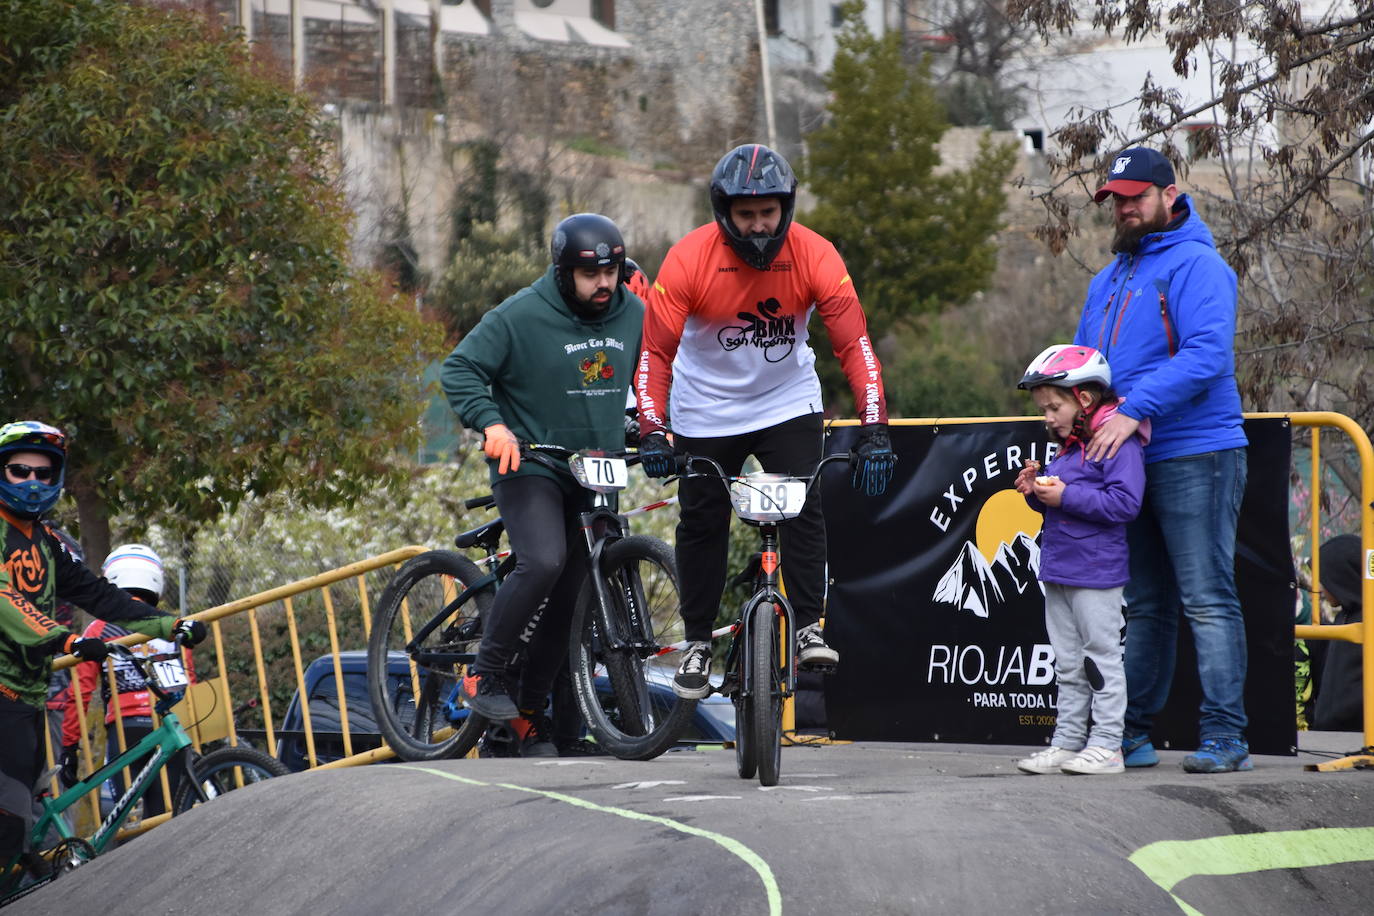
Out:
{"x": 1163, "y": 313}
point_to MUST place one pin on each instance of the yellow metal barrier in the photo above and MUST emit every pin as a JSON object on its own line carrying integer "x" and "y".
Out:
{"x": 1355, "y": 632}
{"x": 217, "y": 694}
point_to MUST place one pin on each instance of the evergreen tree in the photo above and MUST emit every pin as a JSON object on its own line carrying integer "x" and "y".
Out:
{"x": 915, "y": 239}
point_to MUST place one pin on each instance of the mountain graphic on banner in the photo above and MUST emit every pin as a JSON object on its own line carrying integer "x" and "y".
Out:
{"x": 973, "y": 584}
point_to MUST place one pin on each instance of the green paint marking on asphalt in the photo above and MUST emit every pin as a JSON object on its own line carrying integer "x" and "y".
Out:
{"x": 751, "y": 858}
{"x": 1168, "y": 862}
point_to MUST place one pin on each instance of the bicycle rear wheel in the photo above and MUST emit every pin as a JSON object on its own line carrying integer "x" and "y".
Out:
{"x": 767, "y": 691}
{"x": 225, "y": 770}
{"x": 413, "y": 668}
{"x": 624, "y": 679}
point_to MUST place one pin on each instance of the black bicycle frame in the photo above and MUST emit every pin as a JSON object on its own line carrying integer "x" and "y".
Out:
{"x": 601, "y": 526}
{"x": 452, "y": 658}
{"x": 768, "y": 592}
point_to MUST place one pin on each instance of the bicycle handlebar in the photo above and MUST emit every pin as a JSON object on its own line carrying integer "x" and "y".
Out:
{"x": 688, "y": 460}
{"x": 544, "y": 453}
{"x": 138, "y": 661}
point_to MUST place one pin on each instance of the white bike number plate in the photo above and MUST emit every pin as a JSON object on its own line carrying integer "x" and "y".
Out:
{"x": 169, "y": 673}
{"x": 601, "y": 474}
{"x": 769, "y": 500}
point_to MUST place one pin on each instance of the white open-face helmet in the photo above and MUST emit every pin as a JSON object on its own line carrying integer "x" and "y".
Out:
{"x": 134, "y": 567}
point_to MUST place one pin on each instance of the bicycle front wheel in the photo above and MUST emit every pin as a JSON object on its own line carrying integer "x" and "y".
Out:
{"x": 746, "y": 709}
{"x": 623, "y": 656}
{"x": 225, "y": 770}
{"x": 767, "y": 688}
{"x": 425, "y": 633}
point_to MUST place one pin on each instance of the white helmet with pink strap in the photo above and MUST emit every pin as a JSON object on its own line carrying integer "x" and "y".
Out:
{"x": 1067, "y": 366}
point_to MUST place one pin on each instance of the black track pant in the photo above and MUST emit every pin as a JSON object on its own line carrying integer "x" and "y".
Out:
{"x": 541, "y": 522}
{"x": 703, "y": 531}
{"x": 21, "y": 760}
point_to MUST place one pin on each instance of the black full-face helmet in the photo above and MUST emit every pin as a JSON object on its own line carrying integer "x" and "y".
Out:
{"x": 753, "y": 170}
{"x": 584, "y": 240}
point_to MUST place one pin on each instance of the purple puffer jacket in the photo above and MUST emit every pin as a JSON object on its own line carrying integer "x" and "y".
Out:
{"x": 1083, "y": 541}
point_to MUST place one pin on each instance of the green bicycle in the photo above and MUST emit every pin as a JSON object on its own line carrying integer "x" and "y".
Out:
{"x": 203, "y": 778}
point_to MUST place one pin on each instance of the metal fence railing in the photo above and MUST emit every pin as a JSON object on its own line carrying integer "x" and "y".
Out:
{"x": 261, "y": 646}
{"x": 253, "y": 664}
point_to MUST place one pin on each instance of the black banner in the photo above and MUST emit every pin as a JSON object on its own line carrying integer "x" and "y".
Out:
{"x": 938, "y": 616}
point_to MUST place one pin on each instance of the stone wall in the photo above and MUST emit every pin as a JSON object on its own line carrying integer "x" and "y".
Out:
{"x": 630, "y": 131}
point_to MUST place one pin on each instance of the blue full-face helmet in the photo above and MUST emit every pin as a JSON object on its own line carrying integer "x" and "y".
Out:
{"x": 31, "y": 498}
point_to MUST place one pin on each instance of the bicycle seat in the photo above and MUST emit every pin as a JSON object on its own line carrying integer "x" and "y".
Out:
{"x": 487, "y": 536}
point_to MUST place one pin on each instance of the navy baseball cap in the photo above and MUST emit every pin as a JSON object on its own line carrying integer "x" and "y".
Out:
{"x": 1134, "y": 170}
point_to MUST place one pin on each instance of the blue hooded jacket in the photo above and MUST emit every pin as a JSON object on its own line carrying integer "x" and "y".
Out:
{"x": 1165, "y": 319}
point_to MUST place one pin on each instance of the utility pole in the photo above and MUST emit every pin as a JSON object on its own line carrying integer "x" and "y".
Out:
{"x": 767, "y": 78}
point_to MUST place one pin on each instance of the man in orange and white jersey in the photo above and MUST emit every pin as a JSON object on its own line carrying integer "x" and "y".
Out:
{"x": 726, "y": 356}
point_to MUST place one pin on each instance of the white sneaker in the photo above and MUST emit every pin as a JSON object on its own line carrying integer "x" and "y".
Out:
{"x": 812, "y": 652}
{"x": 1046, "y": 761}
{"x": 1095, "y": 761}
{"x": 692, "y": 681}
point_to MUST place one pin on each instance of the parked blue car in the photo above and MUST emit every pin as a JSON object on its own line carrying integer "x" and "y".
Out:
{"x": 713, "y": 723}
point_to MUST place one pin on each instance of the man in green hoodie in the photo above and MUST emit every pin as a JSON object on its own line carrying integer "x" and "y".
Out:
{"x": 551, "y": 364}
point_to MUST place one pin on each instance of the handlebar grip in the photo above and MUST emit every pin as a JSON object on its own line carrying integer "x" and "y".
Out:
{"x": 479, "y": 502}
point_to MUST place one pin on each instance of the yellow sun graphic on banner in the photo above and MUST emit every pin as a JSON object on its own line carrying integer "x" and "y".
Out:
{"x": 1002, "y": 518}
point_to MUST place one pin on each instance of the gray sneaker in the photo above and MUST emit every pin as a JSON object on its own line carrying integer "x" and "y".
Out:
{"x": 812, "y": 652}
{"x": 488, "y": 695}
{"x": 693, "y": 678}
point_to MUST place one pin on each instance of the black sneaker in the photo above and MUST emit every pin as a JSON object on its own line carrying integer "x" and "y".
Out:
{"x": 812, "y": 652}
{"x": 488, "y": 695}
{"x": 693, "y": 678}
{"x": 533, "y": 730}
{"x": 579, "y": 747}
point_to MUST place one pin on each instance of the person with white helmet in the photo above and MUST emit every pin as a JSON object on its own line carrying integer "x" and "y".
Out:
{"x": 1083, "y": 558}
{"x": 38, "y": 572}
{"x": 137, "y": 569}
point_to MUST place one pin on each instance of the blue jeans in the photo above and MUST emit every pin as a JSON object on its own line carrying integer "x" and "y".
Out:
{"x": 1183, "y": 548}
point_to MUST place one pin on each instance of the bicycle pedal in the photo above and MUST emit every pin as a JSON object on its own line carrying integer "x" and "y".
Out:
{"x": 818, "y": 667}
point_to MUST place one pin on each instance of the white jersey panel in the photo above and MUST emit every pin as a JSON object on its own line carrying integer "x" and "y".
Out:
{"x": 753, "y": 372}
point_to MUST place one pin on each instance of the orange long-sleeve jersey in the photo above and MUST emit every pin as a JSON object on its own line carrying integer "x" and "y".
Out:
{"x": 730, "y": 342}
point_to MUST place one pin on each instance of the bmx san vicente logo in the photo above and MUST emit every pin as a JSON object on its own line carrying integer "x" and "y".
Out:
{"x": 764, "y": 329}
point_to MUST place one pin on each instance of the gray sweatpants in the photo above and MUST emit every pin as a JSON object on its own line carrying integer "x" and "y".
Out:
{"x": 1085, "y": 626}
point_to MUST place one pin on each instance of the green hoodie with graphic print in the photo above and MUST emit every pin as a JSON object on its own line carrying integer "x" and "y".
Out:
{"x": 549, "y": 375}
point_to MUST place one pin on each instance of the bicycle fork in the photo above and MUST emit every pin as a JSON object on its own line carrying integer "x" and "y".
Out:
{"x": 601, "y": 527}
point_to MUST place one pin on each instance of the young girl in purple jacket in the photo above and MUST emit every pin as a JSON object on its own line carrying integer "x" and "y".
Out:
{"x": 1083, "y": 557}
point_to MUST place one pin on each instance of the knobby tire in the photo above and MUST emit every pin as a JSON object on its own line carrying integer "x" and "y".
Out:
{"x": 745, "y": 697}
{"x": 767, "y": 691}
{"x": 412, "y": 710}
{"x": 625, "y": 695}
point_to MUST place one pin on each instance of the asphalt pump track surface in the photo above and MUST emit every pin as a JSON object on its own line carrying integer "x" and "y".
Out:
{"x": 852, "y": 828}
